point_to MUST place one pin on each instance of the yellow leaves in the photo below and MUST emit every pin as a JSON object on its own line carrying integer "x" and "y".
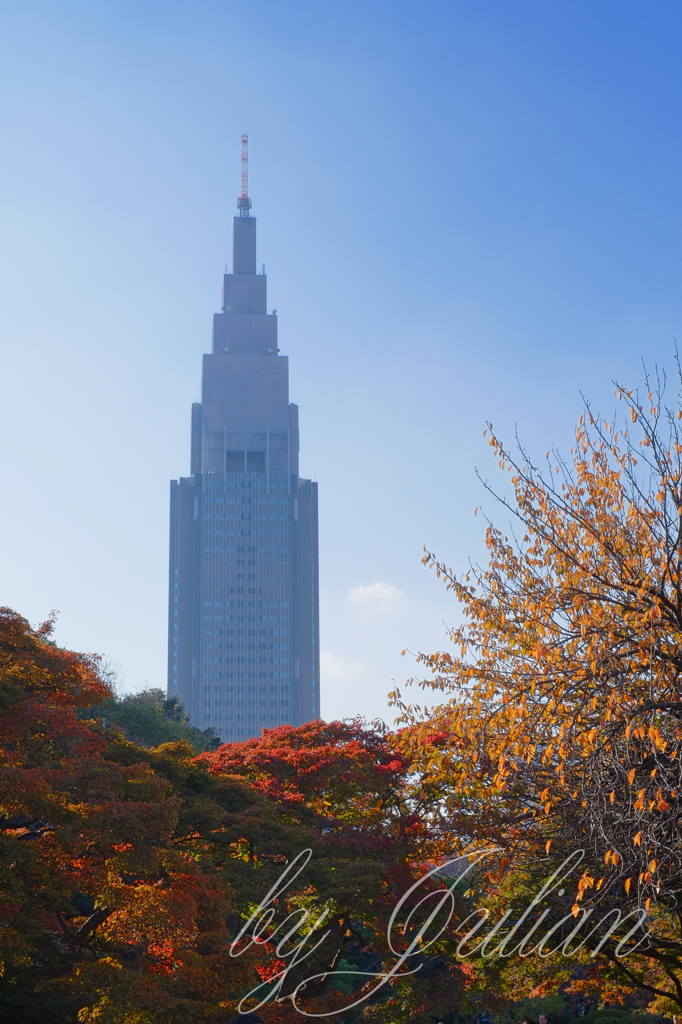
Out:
{"x": 628, "y": 882}
{"x": 656, "y": 738}
{"x": 584, "y": 882}
{"x": 568, "y": 627}
{"x": 547, "y": 845}
{"x": 652, "y": 866}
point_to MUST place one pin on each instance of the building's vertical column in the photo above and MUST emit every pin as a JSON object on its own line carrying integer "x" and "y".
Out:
{"x": 193, "y": 705}
{"x": 182, "y": 563}
{"x": 308, "y": 603}
{"x": 197, "y": 431}
{"x": 294, "y": 571}
{"x": 294, "y": 607}
{"x": 173, "y": 582}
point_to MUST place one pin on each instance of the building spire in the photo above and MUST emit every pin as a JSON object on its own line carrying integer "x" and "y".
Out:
{"x": 244, "y": 203}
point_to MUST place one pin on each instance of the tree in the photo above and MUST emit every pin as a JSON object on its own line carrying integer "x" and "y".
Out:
{"x": 559, "y": 723}
{"x": 150, "y": 718}
{"x": 350, "y": 795}
{"x": 103, "y": 910}
{"x": 128, "y": 872}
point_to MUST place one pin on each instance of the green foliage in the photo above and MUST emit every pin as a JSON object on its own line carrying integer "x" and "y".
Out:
{"x": 150, "y": 718}
{"x": 558, "y": 1010}
{"x": 554, "y": 1007}
{"x": 612, "y": 1015}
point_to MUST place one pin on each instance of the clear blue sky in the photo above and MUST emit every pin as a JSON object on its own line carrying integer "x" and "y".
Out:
{"x": 467, "y": 211}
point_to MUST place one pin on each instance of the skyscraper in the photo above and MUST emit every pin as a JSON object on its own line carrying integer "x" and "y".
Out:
{"x": 243, "y": 621}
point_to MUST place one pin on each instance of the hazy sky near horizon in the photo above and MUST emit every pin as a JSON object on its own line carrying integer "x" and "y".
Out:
{"x": 468, "y": 211}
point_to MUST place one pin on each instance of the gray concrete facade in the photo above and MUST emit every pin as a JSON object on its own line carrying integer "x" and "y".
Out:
{"x": 243, "y": 617}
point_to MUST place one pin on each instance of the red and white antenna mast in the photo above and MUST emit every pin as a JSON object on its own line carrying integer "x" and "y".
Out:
{"x": 244, "y": 203}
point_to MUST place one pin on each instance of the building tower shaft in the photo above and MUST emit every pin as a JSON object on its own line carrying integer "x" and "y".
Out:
{"x": 243, "y": 647}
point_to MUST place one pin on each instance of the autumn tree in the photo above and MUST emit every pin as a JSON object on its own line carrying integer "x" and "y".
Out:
{"x": 127, "y": 873}
{"x": 348, "y": 788}
{"x": 558, "y": 711}
{"x": 104, "y": 911}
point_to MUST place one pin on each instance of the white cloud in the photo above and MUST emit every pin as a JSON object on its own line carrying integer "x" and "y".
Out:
{"x": 377, "y": 596}
{"x": 340, "y": 668}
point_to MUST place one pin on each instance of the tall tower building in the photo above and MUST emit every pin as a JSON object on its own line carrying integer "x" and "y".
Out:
{"x": 243, "y": 621}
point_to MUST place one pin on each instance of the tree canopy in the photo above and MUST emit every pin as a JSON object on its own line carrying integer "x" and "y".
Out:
{"x": 558, "y": 712}
{"x": 127, "y": 872}
{"x": 150, "y": 718}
